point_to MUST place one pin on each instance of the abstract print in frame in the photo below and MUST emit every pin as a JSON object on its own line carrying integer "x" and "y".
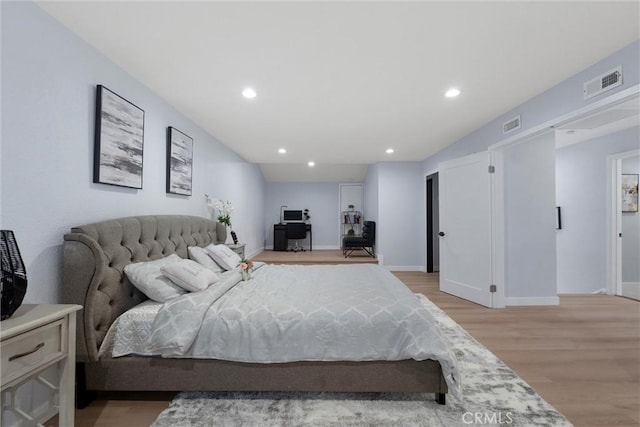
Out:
{"x": 629, "y": 193}
{"x": 179, "y": 162}
{"x": 119, "y": 140}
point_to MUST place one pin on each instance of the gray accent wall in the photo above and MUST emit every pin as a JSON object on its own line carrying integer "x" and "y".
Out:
{"x": 48, "y": 81}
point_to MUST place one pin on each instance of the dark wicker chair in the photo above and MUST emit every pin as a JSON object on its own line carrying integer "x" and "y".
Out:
{"x": 365, "y": 242}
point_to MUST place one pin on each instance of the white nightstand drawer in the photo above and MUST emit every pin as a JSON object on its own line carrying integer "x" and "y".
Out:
{"x": 32, "y": 350}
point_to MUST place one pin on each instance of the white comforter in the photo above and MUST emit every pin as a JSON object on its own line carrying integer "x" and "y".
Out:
{"x": 302, "y": 313}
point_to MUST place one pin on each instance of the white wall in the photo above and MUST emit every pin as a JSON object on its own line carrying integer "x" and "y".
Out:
{"x": 322, "y": 200}
{"x": 401, "y": 215}
{"x": 370, "y": 195}
{"x": 581, "y": 193}
{"x": 49, "y": 77}
{"x": 631, "y": 229}
{"x": 530, "y": 235}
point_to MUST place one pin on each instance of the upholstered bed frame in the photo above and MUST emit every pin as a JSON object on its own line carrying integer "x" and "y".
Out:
{"x": 94, "y": 256}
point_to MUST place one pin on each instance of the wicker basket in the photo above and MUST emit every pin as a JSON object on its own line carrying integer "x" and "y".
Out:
{"x": 13, "y": 275}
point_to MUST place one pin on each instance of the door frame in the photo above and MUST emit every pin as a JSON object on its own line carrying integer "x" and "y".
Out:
{"x": 498, "y": 226}
{"x": 614, "y": 220}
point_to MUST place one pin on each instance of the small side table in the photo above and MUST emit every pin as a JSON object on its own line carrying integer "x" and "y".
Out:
{"x": 238, "y": 248}
{"x": 36, "y": 337}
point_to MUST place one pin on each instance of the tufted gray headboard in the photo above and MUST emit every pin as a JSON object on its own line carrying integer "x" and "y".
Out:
{"x": 94, "y": 256}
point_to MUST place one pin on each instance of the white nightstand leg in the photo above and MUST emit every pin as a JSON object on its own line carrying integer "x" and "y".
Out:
{"x": 67, "y": 396}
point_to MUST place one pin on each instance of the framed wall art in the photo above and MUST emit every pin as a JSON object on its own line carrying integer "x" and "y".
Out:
{"x": 629, "y": 193}
{"x": 119, "y": 141}
{"x": 179, "y": 162}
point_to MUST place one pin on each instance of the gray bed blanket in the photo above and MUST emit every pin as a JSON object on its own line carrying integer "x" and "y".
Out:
{"x": 291, "y": 313}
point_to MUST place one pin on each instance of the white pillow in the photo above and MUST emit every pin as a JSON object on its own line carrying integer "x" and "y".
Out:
{"x": 147, "y": 277}
{"x": 201, "y": 256}
{"x": 190, "y": 275}
{"x": 224, "y": 256}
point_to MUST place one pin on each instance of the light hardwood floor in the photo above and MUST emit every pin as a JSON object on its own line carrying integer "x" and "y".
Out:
{"x": 582, "y": 356}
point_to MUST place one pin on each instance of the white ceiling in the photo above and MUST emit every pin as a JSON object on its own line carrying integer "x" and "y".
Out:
{"x": 340, "y": 82}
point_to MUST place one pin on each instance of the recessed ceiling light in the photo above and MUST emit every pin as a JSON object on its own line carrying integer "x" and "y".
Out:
{"x": 389, "y": 150}
{"x": 452, "y": 93}
{"x": 249, "y": 93}
{"x": 282, "y": 150}
{"x": 311, "y": 164}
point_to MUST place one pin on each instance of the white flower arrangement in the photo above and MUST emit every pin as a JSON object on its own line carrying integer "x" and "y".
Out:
{"x": 223, "y": 208}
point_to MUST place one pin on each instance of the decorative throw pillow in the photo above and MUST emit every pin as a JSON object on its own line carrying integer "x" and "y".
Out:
{"x": 201, "y": 256}
{"x": 224, "y": 256}
{"x": 147, "y": 276}
{"x": 190, "y": 275}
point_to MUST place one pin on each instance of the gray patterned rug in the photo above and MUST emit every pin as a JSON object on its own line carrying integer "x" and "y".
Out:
{"x": 494, "y": 395}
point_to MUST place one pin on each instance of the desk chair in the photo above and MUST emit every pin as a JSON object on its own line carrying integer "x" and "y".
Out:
{"x": 296, "y": 231}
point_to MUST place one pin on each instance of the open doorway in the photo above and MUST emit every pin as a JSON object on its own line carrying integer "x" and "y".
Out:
{"x": 433, "y": 215}
{"x": 588, "y": 165}
{"x": 624, "y": 245}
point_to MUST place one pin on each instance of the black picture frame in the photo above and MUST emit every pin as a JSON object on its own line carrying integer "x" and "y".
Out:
{"x": 558, "y": 218}
{"x": 179, "y": 162}
{"x": 119, "y": 140}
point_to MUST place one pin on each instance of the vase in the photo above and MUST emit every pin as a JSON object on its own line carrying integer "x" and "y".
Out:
{"x": 246, "y": 274}
{"x": 14, "y": 275}
{"x": 221, "y": 232}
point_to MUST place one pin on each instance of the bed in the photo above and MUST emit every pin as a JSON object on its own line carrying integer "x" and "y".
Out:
{"x": 94, "y": 257}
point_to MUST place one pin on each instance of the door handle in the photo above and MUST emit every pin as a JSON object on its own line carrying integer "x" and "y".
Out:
{"x": 441, "y": 234}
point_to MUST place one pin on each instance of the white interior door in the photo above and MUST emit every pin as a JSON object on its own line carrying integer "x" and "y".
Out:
{"x": 465, "y": 228}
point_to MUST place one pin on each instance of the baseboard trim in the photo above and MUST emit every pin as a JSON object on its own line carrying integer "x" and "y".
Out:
{"x": 254, "y": 253}
{"x": 630, "y": 290}
{"x": 315, "y": 247}
{"x": 522, "y": 301}
{"x": 405, "y": 267}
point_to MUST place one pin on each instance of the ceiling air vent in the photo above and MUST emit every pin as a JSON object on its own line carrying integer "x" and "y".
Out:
{"x": 511, "y": 125}
{"x": 603, "y": 83}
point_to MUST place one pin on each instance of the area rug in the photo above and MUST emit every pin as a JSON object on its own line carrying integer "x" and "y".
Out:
{"x": 493, "y": 395}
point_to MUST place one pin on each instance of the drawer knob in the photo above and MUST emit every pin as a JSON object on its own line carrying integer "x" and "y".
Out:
{"x": 26, "y": 353}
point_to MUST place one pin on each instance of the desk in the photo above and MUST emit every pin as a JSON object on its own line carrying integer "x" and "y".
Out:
{"x": 280, "y": 241}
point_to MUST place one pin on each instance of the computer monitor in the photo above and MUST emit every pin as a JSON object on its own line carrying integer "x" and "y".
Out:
{"x": 292, "y": 216}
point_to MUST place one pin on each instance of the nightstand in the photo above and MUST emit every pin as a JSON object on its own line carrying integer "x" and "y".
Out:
{"x": 35, "y": 338}
{"x": 239, "y": 248}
